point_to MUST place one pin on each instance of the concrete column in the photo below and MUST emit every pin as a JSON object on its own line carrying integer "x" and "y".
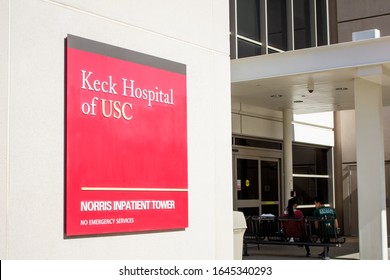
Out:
{"x": 338, "y": 171}
{"x": 287, "y": 153}
{"x": 370, "y": 170}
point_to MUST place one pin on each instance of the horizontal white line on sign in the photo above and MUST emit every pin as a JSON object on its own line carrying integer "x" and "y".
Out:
{"x": 132, "y": 189}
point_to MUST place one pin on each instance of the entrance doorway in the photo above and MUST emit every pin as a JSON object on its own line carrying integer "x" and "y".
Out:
{"x": 257, "y": 181}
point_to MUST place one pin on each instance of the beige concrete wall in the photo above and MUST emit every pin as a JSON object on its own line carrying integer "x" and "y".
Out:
{"x": 195, "y": 33}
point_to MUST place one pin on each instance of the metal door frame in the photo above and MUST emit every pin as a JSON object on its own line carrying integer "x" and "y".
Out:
{"x": 260, "y": 155}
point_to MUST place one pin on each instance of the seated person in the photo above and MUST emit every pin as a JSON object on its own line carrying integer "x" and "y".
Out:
{"x": 325, "y": 212}
{"x": 299, "y": 227}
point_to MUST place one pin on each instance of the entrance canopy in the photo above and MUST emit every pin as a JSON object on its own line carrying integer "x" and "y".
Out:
{"x": 353, "y": 75}
{"x": 280, "y": 81}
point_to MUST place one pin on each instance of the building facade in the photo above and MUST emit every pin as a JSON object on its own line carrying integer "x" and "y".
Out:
{"x": 354, "y": 16}
{"x": 264, "y": 28}
{"x": 268, "y": 96}
{"x": 271, "y": 85}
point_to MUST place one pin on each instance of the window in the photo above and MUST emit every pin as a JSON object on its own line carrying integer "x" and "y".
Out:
{"x": 310, "y": 173}
{"x": 246, "y": 48}
{"x": 273, "y": 26}
{"x": 248, "y": 142}
{"x": 277, "y": 24}
{"x": 248, "y": 19}
{"x": 322, "y": 22}
{"x": 310, "y": 160}
{"x": 302, "y": 26}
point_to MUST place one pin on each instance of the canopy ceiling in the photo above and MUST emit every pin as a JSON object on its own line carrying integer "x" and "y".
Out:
{"x": 280, "y": 81}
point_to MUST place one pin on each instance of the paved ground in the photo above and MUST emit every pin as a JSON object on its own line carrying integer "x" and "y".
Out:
{"x": 347, "y": 251}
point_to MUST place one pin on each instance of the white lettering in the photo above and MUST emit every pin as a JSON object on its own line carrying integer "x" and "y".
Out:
{"x": 132, "y": 205}
{"x": 129, "y": 89}
{"x": 119, "y": 110}
{"x": 95, "y": 206}
{"x": 85, "y": 80}
{"x": 125, "y": 220}
{"x": 101, "y": 222}
{"x": 97, "y": 84}
{"x": 163, "y": 204}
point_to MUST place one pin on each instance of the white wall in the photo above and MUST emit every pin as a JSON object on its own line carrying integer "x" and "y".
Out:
{"x": 4, "y": 77}
{"x": 314, "y": 128}
{"x": 192, "y": 32}
{"x": 264, "y": 123}
{"x": 348, "y": 131}
{"x": 256, "y": 121}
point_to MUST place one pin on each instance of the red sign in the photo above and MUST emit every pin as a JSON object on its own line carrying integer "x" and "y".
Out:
{"x": 126, "y": 141}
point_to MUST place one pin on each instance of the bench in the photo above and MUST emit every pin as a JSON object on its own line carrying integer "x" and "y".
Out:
{"x": 310, "y": 231}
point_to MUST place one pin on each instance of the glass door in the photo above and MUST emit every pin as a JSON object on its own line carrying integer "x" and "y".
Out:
{"x": 247, "y": 186}
{"x": 270, "y": 187}
{"x": 257, "y": 185}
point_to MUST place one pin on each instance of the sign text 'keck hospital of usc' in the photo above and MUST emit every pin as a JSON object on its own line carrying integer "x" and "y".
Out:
{"x": 126, "y": 141}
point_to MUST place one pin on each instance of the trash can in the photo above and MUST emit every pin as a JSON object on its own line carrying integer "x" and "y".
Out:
{"x": 239, "y": 227}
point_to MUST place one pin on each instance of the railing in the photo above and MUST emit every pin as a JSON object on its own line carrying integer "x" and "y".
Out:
{"x": 310, "y": 231}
